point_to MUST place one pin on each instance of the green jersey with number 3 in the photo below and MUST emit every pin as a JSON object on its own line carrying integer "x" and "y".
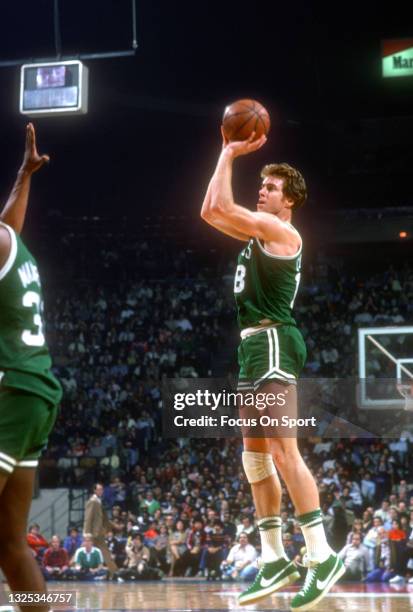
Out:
{"x": 265, "y": 285}
{"x": 24, "y": 357}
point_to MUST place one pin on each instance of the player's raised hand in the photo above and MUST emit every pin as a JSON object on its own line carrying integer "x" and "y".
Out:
{"x": 32, "y": 161}
{"x": 242, "y": 147}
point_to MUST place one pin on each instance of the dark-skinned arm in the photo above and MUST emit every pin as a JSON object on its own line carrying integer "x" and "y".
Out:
{"x": 14, "y": 211}
{"x": 5, "y": 246}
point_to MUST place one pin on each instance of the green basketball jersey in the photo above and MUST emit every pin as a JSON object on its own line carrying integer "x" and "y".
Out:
{"x": 265, "y": 285}
{"x": 24, "y": 357}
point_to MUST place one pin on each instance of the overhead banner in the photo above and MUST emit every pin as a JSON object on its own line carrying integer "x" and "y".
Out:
{"x": 397, "y": 57}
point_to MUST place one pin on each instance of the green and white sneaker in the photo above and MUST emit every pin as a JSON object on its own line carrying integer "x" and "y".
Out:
{"x": 270, "y": 578}
{"x": 319, "y": 580}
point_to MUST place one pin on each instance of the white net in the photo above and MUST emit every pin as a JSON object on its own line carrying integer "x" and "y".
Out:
{"x": 406, "y": 391}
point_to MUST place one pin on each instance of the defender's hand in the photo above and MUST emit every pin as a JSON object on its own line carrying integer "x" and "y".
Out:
{"x": 32, "y": 161}
{"x": 242, "y": 147}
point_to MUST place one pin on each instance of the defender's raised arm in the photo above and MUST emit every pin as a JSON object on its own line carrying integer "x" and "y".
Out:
{"x": 14, "y": 211}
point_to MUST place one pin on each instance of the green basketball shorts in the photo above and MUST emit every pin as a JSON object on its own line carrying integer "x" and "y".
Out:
{"x": 25, "y": 423}
{"x": 276, "y": 353}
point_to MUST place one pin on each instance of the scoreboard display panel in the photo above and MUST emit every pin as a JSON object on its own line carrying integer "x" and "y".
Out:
{"x": 48, "y": 89}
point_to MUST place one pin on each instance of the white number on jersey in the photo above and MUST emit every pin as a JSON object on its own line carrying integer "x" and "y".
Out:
{"x": 247, "y": 252}
{"x": 30, "y": 299}
{"x": 297, "y": 279}
{"x": 239, "y": 281}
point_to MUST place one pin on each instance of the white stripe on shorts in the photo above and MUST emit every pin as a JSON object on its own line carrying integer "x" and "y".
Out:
{"x": 6, "y": 467}
{"x": 28, "y": 463}
{"x": 8, "y": 458}
{"x": 274, "y": 370}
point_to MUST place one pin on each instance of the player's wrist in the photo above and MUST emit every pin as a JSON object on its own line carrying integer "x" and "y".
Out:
{"x": 24, "y": 171}
{"x": 227, "y": 154}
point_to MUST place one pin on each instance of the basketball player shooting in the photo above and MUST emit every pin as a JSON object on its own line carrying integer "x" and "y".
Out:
{"x": 271, "y": 354}
{"x": 29, "y": 393}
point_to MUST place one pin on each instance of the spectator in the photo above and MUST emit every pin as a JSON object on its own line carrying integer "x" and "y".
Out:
{"x": 177, "y": 544}
{"x": 116, "y": 547}
{"x": 116, "y": 522}
{"x": 161, "y": 548}
{"x": 88, "y": 561}
{"x": 36, "y": 541}
{"x": 356, "y": 528}
{"x": 137, "y": 562}
{"x": 245, "y": 526}
{"x": 149, "y": 503}
{"x": 368, "y": 488}
{"x": 230, "y": 528}
{"x": 355, "y": 558}
{"x": 216, "y": 550}
{"x": 367, "y": 520}
{"x": 72, "y": 541}
{"x": 384, "y": 511}
{"x": 371, "y": 540}
{"x": 396, "y": 533}
{"x": 151, "y": 534}
{"x": 290, "y": 547}
{"x": 55, "y": 560}
{"x": 241, "y": 560}
{"x": 188, "y": 563}
{"x": 385, "y": 559}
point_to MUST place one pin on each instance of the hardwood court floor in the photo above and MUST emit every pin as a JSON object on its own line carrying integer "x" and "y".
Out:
{"x": 195, "y": 596}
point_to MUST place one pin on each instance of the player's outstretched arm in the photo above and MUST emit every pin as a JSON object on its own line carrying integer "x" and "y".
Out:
{"x": 217, "y": 222}
{"x": 222, "y": 207}
{"x": 14, "y": 211}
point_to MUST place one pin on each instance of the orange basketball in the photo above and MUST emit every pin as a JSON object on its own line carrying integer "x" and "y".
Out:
{"x": 243, "y": 117}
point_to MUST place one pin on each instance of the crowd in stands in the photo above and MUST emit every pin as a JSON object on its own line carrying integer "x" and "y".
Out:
{"x": 183, "y": 507}
{"x": 202, "y": 524}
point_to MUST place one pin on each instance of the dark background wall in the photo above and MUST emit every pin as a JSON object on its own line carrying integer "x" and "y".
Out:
{"x": 150, "y": 139}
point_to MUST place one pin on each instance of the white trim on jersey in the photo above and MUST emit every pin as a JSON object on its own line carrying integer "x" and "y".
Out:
{"x": 285, "y": 257}
{"x": 13, "y": 252}
{"x": 28, "y": 464}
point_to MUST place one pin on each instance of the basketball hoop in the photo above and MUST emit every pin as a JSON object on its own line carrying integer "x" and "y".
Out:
{"x": 405, "y": 389}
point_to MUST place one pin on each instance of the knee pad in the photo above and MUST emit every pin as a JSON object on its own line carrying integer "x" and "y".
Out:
{"x": 257, "y": 466}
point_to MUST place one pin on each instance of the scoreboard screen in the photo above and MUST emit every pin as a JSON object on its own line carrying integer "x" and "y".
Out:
{"x": 54, "y": 88}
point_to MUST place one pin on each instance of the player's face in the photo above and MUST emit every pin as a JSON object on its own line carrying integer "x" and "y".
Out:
{"x": 271, "y": 198}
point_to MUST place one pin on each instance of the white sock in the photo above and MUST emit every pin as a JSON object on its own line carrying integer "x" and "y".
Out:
{"x": 272, "y": 547}
{"x": 318, "y": 549}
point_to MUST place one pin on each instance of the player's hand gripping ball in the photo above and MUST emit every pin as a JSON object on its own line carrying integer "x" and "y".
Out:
{"x": 243, "y": 117}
